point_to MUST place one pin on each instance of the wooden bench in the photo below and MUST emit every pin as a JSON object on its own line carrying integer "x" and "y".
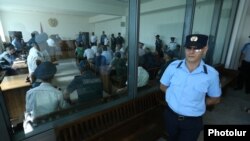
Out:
{"x": 138, "y": 119}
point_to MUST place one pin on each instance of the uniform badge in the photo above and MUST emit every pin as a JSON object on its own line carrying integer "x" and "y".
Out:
{"x": 194, "y": 39}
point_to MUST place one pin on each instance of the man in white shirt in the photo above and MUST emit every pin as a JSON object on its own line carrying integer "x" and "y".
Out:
{"x": 93, "y": 39}
{"x": 172, "y": 44}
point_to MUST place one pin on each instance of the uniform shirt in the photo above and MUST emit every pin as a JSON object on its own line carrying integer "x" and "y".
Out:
{"x": 93, "y": 39}
{"x": 34, "y": 55}
{"x": 172, "y": 46}
{"x": 186, "y": 91}
{"x": 87, "y": 85}
{"x": 143, "y": 77}
{"x": 44, "y": 99}
{"x": 246, "y": 52}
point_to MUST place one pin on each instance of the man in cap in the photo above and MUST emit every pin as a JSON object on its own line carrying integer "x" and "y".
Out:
{"x": 87, "y": 85}
{"x": 45, "y": 98}
{"x": 189, "y": 85}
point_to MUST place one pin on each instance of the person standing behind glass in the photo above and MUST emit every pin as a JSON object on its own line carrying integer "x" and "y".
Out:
{"x": 172, "y": 44}
{"x": 102, "y": 38}
{"x": 113, "y": 42}
{"x": 158, "y": 46}
{"x": 174, "y": 47}
{"x": 189, "y": 86}
{"x": 119, "y": 39}
{"x": 244, "y": 63}
{"x": 93, "y": 39}
{"x": 32, "y": 40}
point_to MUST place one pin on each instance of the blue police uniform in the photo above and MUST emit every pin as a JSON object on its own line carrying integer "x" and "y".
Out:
{"x": 187, "y": 90}
{"x": 186, "y": 94}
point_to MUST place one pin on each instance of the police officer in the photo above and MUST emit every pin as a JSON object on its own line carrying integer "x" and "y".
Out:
{"x": 158, "y": 46}
{"x": 45, "y": 98}
{"x": 244, "y": 69}
{"x": 189, "y": 86}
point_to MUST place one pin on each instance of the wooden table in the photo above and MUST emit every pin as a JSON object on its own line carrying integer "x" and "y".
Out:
{"x": 14, "y": 89}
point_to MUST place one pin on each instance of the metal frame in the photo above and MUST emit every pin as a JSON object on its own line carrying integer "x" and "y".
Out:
{"x": 214, "y": 31}
{"x": 133, "y": 35}
{"x": 188, "y": 22}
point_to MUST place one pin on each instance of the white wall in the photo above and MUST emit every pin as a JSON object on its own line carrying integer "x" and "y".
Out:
{"x": 166, "y": 23}
{"x": 109, "y": 26}
{"x": 67, "y": 28}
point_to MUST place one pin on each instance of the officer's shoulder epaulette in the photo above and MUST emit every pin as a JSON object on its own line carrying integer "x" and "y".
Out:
{"x": 176, "y": 63}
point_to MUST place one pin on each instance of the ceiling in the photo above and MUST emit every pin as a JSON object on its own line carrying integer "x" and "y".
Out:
{"x": 75, "y": 7}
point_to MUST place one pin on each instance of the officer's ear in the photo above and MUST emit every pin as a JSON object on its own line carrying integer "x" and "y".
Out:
{"x": 205, "y": 50}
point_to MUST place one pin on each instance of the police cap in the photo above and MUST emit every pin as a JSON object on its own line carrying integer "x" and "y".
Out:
{"x": 196, "y": 40}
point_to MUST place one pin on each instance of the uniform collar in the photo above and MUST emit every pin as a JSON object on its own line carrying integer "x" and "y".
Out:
{"x": 199, "y": 69}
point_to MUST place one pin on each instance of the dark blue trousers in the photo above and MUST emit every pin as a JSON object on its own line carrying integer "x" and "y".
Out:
{"x": 182, "y": 128}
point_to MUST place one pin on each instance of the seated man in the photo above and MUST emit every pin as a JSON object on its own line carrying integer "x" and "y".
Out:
{"x": 142, "y": 79}
{"x": 7, "y": 58}
{"x": 168, "y": 58}
{"x": 99, "y": 61}
{"x": 118, "y": 70}
{"x": 45, "y": 98}
{"x": 87, "y": 85}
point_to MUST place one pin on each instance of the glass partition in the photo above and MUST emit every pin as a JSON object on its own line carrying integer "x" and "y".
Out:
{"x": 161, "y": 29}
{"x": 220, "y": 47}
{"x": 203, "y": 16}
{"x": 86, "y": 40}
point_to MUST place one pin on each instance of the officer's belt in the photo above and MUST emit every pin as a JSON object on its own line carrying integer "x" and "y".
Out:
{"x": 181, "y": 117}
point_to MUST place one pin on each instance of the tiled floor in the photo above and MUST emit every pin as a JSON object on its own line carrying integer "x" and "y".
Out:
{"x": 229, "y": 111}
